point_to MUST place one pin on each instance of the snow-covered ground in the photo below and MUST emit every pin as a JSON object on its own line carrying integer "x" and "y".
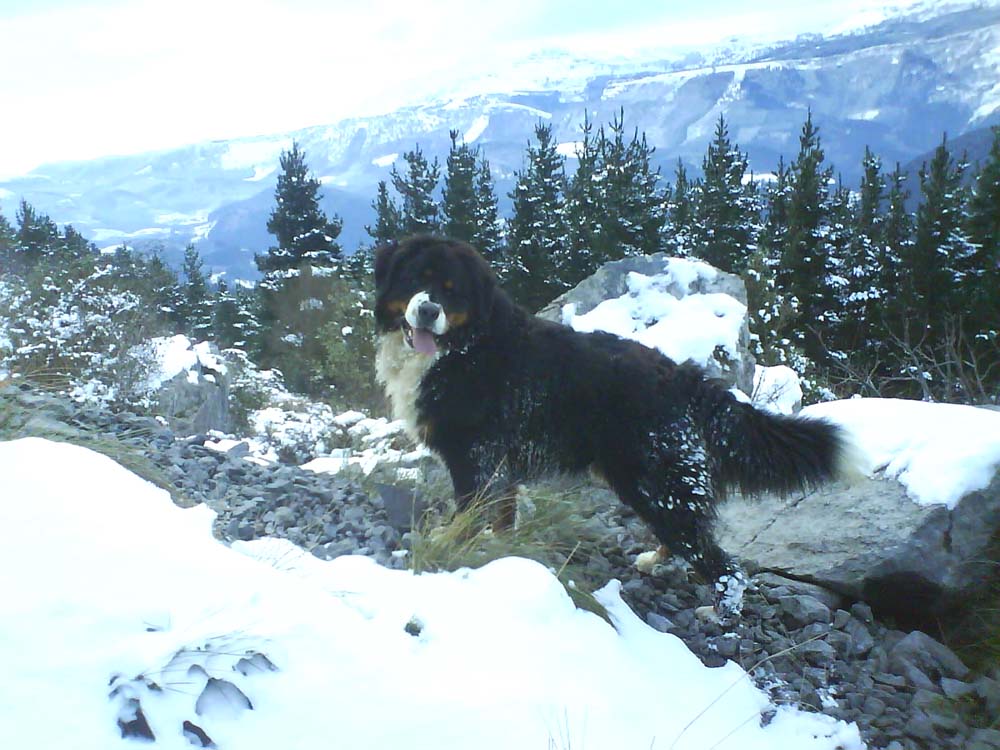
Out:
{"x": 113, "y": 594}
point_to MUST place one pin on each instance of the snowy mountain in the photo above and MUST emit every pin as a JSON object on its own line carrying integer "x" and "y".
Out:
{"x": 895, "y": 86}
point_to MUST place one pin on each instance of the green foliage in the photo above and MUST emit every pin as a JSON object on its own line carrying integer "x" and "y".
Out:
{"x": 419, "y": 211}
{"x": 458, "y": 199}
{"x": 350, "y": 347}
{"x": 196, "y": 303}
{"x": 727, "y": 209}
{"x": 300, "y": 275}
{"x": 681, "y": 208}
{"x": 536, "y": 230}
{"x": 81, "y": 322}
{"x": 388, "y": 221}
{"x": 304, "y": 233}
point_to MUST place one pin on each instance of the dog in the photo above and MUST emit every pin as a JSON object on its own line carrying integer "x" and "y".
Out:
{"x": 504, "y": 397}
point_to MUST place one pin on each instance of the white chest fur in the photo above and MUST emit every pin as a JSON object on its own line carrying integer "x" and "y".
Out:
{"x": 399, "y": 369}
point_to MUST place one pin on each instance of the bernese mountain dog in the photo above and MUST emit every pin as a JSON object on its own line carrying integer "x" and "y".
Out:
{"x": 504, "y": 397}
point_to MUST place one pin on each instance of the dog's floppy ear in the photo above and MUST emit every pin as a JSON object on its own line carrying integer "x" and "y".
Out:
{"x": 383, "y": 257}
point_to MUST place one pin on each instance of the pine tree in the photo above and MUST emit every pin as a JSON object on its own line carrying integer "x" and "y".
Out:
{"x": 804, "y": 270}
{"x": 160, "y": 286}
{"x": 584, "y": 210}
{"x": 458, "y": 203}
{"x": 298, "y": 277}
{"x": 74, "y": 244}
{"x": 940, "y": 259}
{"x": 7, "y": 245}
{"x": 772, "y": 311}
{"x": 487, "y": 237}
{"x": 234, "y": 319}
{"x": 864, "y": 264}
{"x": 896, "y": 242}
{"x": 37, "y": 236}
{"x": 304, "y": 234}
{"x": 681, "y": 212}
{"x": 837, "y": 244}
{"x": 419, "y": 211}
{"x": 983, "y": 229}
{"x": 388, "y": 221}
{"x": 537, "y": 229}
{"x": 727, "y": 208}
{"x": 197, "y": 302}
{"x": 634, "y": 207}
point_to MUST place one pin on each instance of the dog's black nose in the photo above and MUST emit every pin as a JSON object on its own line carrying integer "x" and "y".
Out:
{"x": 427, "y": 313}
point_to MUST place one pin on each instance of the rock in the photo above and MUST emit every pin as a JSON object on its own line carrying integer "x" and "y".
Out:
{"x": 926, "y": 654}
{"x": 831, "y": 599}
{"x": 871, "y": 542}
{"x": 239, "y": 450}
{"x": 611, "y": 281}
{"x": 659, "y": 622}
{"x": 861, "y": 639}
{"x": 984, "y": 739}
{"x": 989, "y": 690}
{"x": 955, "y": 689}
{"x": 403, "y": 507}
{"x": 196, "y": 400}
{"x": 802, "y": 610}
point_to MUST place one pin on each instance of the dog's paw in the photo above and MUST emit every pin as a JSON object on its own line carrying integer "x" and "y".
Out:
{"x": 646, "y": 561}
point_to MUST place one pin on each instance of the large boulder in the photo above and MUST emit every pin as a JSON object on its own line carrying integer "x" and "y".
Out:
{"x": 687, "y": 309}
{"x": 915, "y": 538}
{"x": 870, "y": 541}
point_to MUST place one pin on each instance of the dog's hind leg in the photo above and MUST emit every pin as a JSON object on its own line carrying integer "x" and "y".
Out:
{"x": 676, "y": 499}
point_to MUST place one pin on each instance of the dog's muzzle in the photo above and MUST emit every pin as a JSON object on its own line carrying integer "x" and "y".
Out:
{"x": 423, "y": 322}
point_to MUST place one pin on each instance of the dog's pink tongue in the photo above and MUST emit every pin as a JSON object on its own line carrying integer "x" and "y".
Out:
{"x": 423, "y": 341}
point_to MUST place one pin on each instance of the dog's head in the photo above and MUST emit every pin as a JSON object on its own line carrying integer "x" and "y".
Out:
{"x": 438, "y": 292}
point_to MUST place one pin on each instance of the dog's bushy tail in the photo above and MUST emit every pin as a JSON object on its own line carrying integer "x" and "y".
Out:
{"x": 754, "y": 451}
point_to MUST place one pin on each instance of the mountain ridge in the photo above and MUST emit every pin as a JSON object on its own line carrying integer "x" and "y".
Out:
{"x": 895, "y": 86}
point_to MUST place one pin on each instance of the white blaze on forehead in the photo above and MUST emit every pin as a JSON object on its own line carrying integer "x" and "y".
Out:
{"x": 440, "y": 322}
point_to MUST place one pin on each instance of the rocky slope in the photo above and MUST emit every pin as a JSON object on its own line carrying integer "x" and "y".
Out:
{"x": 801, "y": 643}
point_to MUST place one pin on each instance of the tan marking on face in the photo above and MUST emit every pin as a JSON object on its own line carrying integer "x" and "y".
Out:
{"x": 457, "y": 319}
{"x": 397, "y": 306}
{"x": 449, "y": 284}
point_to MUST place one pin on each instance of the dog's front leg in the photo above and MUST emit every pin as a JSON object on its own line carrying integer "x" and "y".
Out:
{"x": 479, "y": 480}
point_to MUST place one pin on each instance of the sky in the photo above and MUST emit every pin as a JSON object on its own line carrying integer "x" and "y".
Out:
{"x": 81, "y": 79}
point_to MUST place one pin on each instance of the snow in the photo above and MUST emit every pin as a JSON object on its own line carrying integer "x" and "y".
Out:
{"x": 385, "y": 161}
{"x": 173, "y": 355}
{"x": 253, "y": 153}
{"x": 689, "y": 327}
{"x": 260, "y": 172}
{"x": 570, "y": 149}
{"x": 116, "y": 586}
{"x": 939, "y": 452}
{"x": 477, "y": 128}
{"x": 777, "y": 389}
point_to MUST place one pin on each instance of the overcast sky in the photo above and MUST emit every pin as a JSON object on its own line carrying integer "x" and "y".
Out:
{"x": 87, "y": 78}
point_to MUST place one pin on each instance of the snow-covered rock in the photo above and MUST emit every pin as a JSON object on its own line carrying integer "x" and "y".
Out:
{"x": 914, "y": 537}
{"x": 189, "y": 385}
{"x": 685, "y": 308}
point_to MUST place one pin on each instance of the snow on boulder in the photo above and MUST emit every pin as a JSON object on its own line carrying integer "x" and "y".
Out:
{"x": 685, "y": 308}
{"x": 914, "y": 537}
{"x": 188, "y": 385}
